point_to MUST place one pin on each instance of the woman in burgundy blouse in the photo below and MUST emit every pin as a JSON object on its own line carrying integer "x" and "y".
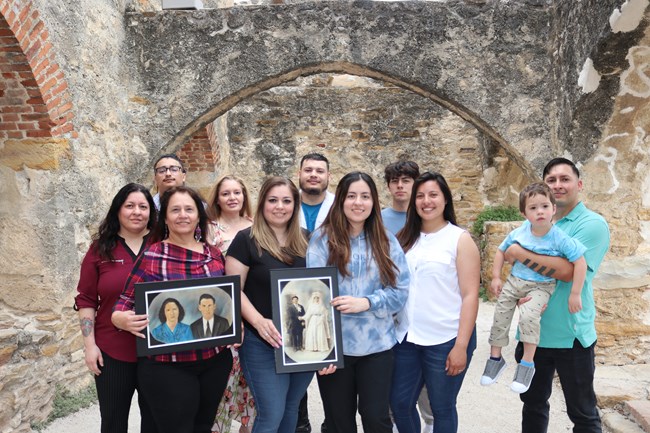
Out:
{"x": 182, "y": 389}
{"x": 110, "y": 354}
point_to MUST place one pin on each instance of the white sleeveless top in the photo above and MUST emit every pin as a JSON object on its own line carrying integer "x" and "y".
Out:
{"x": 434, "y": 301}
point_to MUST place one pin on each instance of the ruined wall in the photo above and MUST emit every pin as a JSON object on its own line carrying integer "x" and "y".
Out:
{"x": 618, "y": 186}
{"x": 52, "y": 189}
{"x": 359, "y": 124}
{"x": 143, "y": 84}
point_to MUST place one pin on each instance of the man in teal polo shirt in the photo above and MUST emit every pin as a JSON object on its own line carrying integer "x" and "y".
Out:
{"x": 567, "y": 340}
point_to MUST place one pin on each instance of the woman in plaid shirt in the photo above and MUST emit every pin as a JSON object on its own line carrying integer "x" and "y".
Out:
{"x": 182, "y": 389}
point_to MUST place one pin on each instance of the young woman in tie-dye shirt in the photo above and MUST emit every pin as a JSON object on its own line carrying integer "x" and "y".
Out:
{"x": 373, "y": 282}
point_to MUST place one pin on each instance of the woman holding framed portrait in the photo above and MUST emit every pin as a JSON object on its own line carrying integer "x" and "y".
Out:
{"x": 439, "y": 338}
{"x": 373, "y": 282}
{"x": 197, "y": 377}
{"x": 275, "y": 241}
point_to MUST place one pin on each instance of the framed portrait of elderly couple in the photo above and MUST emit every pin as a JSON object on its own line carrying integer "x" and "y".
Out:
{"x": 310, "y": 326}
{"x": 189, "y": 314}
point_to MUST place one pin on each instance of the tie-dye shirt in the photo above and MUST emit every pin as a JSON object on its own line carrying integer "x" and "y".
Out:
{"x": 370, "y": 331}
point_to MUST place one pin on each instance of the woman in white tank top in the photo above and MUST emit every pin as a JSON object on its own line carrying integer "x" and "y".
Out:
{"x": 439, "y": 337}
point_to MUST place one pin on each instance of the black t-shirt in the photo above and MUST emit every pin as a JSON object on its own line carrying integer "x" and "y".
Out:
{"x": 258, "y": 280}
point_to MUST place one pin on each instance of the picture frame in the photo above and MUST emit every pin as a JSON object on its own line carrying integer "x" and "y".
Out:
{"x": 185, "y": 302}
{"x": 311, "y": 333}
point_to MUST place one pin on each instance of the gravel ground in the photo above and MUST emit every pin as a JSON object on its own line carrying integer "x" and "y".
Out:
{"x": 480, "y": 409}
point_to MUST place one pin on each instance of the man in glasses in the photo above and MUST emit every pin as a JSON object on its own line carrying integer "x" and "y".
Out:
{"x": 168, "y": 172}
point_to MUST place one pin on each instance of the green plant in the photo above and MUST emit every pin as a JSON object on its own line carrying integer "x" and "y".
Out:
{"x": 66, "y": 402}
{"x": 495, "y": 213}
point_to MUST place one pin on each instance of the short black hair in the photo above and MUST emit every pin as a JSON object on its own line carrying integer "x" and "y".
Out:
{"x": 172, "y": 156}
{"x": 315, "y": 157}
{"x": 207, "y": 296}
{"x": 560, "y": 161}
{"x": 401, "y": 168}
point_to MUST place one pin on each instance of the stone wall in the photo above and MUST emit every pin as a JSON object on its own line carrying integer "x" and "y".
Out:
{"x": 359, "y": 124}
{"x": 141, "y": 84}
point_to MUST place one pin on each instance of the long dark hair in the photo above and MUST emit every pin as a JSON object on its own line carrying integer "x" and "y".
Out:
{"x": 413, "y": 226}
{"x": 337, "y": 229}
{"x": 160, "y": 232}
{"x": 106, "y": 237}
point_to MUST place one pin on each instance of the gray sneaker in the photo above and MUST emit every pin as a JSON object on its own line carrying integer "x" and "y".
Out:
{"x": 493, "y": 370}
{"x": 523, "y": 378}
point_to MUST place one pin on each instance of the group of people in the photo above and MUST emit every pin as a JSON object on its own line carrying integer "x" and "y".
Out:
{"x": 408, "y": 279}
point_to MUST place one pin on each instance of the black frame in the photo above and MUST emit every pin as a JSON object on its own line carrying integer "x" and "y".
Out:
{"x": 304, "y": 283}
{"x": 150, "y": 296}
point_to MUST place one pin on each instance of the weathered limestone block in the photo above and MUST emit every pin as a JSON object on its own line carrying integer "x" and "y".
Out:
{"x": 494, "y": 232}
{"x": 622, "y": 333}
{"x": 37, "y": 153}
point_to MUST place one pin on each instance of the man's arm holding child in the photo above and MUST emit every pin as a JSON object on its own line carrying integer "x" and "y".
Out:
{"x": 549, "y": 266}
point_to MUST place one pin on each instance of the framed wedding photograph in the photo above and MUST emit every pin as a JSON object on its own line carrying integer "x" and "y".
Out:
{"x": 310, "y": 326}
{"x": 189, "y": 314}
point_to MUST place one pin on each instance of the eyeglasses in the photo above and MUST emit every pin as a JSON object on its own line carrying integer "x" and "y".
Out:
{"x": 174, "y": 169}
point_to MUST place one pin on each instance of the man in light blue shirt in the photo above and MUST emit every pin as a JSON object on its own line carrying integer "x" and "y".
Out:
{"x": 399, "y": 177}
{"x": 567, "y": 340}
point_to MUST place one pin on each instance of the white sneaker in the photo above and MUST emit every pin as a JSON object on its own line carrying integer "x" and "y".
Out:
{"x": 523, "y": 378}
{"x": 493, "y": 370}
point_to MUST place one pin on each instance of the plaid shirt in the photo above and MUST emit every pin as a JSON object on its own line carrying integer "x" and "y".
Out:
{"x": 163, "y": 261}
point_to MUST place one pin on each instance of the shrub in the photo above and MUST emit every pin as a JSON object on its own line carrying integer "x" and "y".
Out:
{"x": 495, "y": 213}
{"x": 66, "y": 403}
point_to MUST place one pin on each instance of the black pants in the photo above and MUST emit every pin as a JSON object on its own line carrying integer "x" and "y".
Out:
{"x": 575, "y": 368}
{"x": 364, "y": 383}
{"x": 115, "y": 387}
{"x": 184, "y": 396}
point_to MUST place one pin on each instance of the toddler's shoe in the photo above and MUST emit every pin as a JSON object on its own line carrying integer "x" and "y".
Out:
{"x": 523, "y": 378}
{"x": 493, "y": 370}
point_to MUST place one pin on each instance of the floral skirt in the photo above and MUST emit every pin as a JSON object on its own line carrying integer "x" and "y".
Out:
{"x": 237, "y": 402}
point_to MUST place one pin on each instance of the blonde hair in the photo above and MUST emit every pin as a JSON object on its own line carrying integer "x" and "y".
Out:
{"x": 214, "y": 211}
{"x": 264, "y": 236}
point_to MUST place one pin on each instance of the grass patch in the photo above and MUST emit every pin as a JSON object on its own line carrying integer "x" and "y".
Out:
{"x": 483, "y": 294}
{"x": 495, "y": 213}
{"x": 66, "y": 403}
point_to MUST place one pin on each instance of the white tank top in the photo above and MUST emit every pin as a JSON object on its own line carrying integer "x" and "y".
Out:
{"x": 434, "y": 300}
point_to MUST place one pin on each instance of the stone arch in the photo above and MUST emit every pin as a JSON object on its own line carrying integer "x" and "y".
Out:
{"x": 349, "y": 68}
{"x": 494, "y": 73}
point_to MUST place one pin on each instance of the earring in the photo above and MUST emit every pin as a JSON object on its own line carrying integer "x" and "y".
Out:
{"x": 197, "y": 233}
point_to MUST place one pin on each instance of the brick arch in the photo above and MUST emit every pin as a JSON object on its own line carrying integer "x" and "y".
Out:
{"x": 34, "y": 101}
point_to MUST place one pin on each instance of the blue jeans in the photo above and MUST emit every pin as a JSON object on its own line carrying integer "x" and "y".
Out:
{"x": 277, "y": 396}
{"x": 418, "y": 365}
{"x": 575, "y": 368}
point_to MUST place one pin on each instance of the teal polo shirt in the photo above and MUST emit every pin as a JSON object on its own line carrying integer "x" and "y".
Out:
{"x": 560, "y": 328}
